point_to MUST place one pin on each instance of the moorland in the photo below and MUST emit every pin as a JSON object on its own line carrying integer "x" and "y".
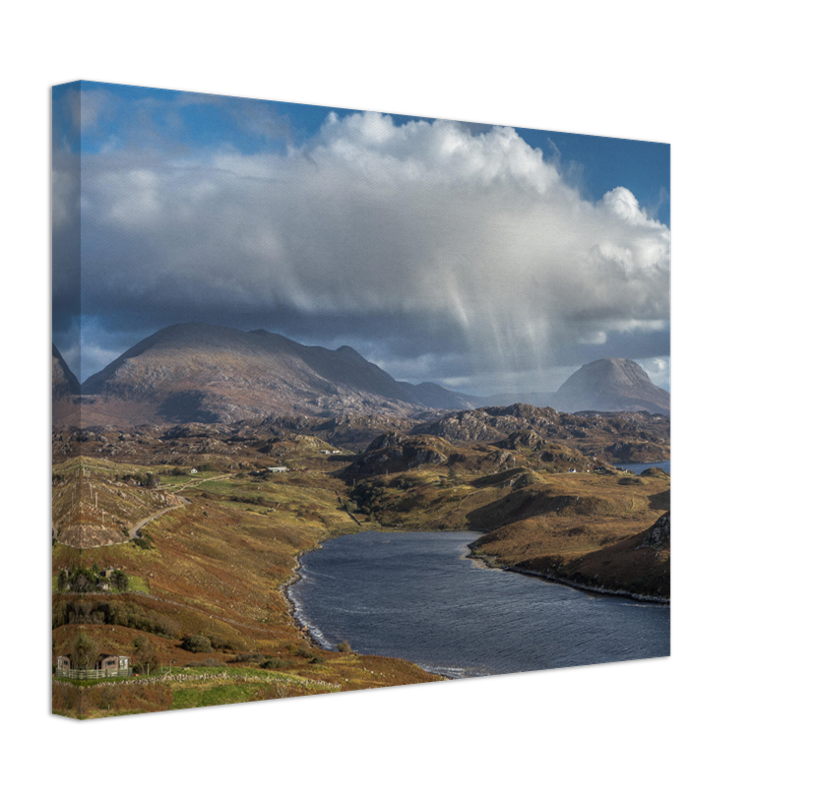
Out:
{"x": 174, "y": 543}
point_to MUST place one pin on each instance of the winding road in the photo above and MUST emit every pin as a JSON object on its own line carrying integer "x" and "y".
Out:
{"x": 134, "y": 531}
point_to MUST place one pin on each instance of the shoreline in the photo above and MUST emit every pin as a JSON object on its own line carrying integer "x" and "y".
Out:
{"x": 291, "y": 606}
{"x": 642, "y": 598}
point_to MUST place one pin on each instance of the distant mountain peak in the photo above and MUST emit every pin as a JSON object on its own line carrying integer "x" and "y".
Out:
{"x": 611, "y": 384}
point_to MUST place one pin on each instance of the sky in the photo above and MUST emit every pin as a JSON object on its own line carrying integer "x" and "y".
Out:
{"x": 486, "y": 258}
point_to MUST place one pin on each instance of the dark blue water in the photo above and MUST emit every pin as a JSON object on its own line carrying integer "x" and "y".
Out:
{"x": 638, "y": 468}
{"x": 416, "y": 596}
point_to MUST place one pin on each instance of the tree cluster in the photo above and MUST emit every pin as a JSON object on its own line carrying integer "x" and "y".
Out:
{"x": 149, "y": 479}
{"x": 83, "y": 580}
{"x": 368, "y": 495}
{"x": 112, "y": 612}
{"x": 197, "y": 643}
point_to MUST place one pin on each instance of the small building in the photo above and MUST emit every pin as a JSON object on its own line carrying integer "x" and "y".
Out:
{"x": 277, "y": 469}
{"x": 193, "y": 471}
{"x": 106, "y": 666}
{"x": 113, "y": 664}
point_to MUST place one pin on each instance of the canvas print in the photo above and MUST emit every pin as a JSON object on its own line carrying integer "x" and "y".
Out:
{"x": 345, "y": 399}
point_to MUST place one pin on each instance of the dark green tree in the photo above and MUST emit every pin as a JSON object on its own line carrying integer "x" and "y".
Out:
{"x": 120, "y": 580}
{"x": 145, "y": 658}
{"x": 197, "y": 643}
{"x": 83, "y": 580}
{"x": 84, "y": 651}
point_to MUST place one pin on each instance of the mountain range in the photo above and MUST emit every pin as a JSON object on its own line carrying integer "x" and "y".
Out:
{"x": 196, "y": 372}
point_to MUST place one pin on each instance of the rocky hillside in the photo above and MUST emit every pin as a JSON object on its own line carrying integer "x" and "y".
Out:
{"x": 65, "y": 398}
{"x": 63, "y": 381}
{"x": 609, "y": 437}
{"x": 614, "y": 437}
{"x": 638, "y": 564}
{"x": 96, "y": 503}
{"x": 394, "y": 452}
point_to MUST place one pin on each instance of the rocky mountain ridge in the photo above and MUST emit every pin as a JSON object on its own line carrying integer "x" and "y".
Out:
{"x": 200, "y": 373}
{"x": 208, "y": 373}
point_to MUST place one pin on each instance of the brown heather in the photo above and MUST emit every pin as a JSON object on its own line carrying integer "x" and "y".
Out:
{"x": 217, "y": 565}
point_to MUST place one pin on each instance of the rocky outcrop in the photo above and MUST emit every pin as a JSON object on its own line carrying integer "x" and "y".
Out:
{"x": 628, "y": 452}
{"x": 490, "y": 424}
{"x": 520, "y": 439}
{"x": 393, "y": 452}
{"x": 658, "y": 536}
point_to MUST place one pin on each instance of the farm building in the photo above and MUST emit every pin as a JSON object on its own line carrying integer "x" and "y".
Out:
{"x": 106, "y": 665}
{"x": 113, "y": 664}
{"x": 277, "y": 469}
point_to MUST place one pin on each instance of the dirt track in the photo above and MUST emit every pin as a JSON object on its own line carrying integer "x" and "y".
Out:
{"x": 134, "y": 531}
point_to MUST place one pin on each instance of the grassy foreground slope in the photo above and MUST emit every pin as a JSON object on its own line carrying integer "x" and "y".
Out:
{"x": 214, "y": 567}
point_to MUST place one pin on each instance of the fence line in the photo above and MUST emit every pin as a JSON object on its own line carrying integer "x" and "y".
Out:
{"x": 91, "y": 674}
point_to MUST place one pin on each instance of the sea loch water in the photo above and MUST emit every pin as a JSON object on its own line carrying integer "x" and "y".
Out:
{"x": 639, "y": 468}
{"x": 418, "y": 597}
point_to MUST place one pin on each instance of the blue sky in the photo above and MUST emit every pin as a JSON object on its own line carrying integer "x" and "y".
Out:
{"x": 596, "y": 164}
{"x": 487, "y": 259}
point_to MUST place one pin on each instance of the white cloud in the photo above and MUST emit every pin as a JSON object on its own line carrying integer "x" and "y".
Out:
{"x": 422, "y": 221}
{"x": 659, "y": 370}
